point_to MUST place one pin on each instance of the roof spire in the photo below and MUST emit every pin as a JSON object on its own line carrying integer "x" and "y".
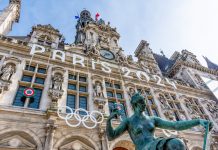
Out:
{"x": 210, "y": 64}
{"x": 161, "y": 51}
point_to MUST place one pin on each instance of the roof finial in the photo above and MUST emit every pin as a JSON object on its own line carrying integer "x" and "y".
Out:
{"x": 161, "y": 51}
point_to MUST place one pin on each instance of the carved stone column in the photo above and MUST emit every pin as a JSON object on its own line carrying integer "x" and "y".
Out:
{"x": 50, "y": 130}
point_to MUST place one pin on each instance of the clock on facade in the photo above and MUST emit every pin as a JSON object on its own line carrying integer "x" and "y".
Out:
{"x": 107, "y": 54}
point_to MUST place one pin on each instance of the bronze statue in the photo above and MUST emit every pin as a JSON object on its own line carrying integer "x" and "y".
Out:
{"x": 141, "y": 128}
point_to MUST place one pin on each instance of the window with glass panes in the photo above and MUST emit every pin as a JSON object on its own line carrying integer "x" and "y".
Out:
{"x": 151, "y": 107}
{"x": 115, "y": 96}
{"x": 30, "y": 68}
{"x": 19, "y": 98}
{"x": 26, "y": 78}
{"x": 35, "y": 100}
{"x": 170, "y": 100}
{"x": 194, "y": 105}
{"x": 71, "y": 101}
{"x": 39, "y": 80}
{"x": 36, "y": 72}
{"x": 77, "y": 91}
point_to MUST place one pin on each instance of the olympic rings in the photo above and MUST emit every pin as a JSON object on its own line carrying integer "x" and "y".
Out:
{"x": 169, "y": 133}
{"x": 82, "y": 116}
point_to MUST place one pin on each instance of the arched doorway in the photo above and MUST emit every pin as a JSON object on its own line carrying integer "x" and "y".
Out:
{"x": 120, "y": 148}
{"x": 196, "y": 148}
{"x": 123, "y": 145}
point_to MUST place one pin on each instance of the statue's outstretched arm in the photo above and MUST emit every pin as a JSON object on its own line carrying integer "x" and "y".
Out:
{"x": 114, "y": 133}
{"x": 180, "y": 125}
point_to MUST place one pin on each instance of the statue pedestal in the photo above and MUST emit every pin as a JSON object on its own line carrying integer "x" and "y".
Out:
{"x": 100, "y": 102}
{"x": 55, "y": 95}
{"x": 4, "y": 85}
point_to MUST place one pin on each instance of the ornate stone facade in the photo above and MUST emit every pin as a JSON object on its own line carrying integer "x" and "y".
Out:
{"x": 100, "y": 78}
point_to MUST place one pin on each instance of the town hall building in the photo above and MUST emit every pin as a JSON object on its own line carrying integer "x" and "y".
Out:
{"x": 57, "y": 96}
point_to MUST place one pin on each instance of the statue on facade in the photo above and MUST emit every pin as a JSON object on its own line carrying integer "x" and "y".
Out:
{"x": 141, "y": 128}
{"x": 131, "y": 91}
{"x": 92, "y": 50}
{"x": 56, "y": 91}
{"x": 57, "y": 81}
{"x": 130, "y": 60}
{"x": 98, "y": 90}
{"x": 7, "y": 72}
{"x": 121, "y": 58}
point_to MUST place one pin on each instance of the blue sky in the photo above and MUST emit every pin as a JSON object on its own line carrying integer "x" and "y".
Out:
{"x": 168, "y": 25}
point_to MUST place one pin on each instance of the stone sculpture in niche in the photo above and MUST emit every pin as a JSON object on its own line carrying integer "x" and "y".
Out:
{"x": 57, "y": 81}
{"x": 56, "y": 91}
{"x": 5, "y": 76}
{"x": 131, "y": 91}
{"x": 141, "y": 128}
{"x": 121, "y": 58}
{"x": 7, "y": 71}
{"x": 98, "y": 89}
{"x": 99, "y": 98}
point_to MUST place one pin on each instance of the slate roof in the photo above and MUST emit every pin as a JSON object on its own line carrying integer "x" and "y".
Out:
{"x": 164, "y": 63}
{"x": 210, "y": 64}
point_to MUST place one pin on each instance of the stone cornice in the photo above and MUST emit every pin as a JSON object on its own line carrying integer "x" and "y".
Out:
{"x": 179, "y": 64}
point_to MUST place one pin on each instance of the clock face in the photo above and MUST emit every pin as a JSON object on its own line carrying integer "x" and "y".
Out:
{"x": 107, "y": 54}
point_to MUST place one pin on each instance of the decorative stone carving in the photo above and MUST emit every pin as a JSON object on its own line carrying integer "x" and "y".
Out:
{"x": 98, "y": 89}
{"x": 76, "y": 145}
{"x": 130, "y": 60}
{"x": 192, "y": 110}
{"x": 213, "y": 109}
{"x": 7, "y": 71}
{"x": 93, "y": 50}
{"x": 166, "y": 108}
{"x": 56, "y": 91}
{"x": 103, "y": 40}
{"x": 16, "y": 142}
{"x": 131, "y": 91}
{"x": 142, "y": 64}
{"x": 98, "y": 94}
{"x": 121, "y": 58}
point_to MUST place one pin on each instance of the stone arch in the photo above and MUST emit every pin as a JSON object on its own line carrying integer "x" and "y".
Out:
{"x": 25, "y": 131}
{"x": 196, "y": 148}
{"x": 122, "y": 145}
{"x": 71, "y": 138}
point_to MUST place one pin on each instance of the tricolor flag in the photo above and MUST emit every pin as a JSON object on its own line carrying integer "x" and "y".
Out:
{"x": 96, "y": 16}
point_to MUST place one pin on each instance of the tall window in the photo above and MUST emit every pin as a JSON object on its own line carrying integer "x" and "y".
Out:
{"x": 77, "y": 91}
{"x": 71, "y": 101}
{"x": 34, "y": 77}
{"x": 151, "y": 107}
{"x": 35, "y": 101}
{"x": 115, "y": 97}
{"x": 171, "y": 106}
{"x": 19, "y": 98}
{"x": 194, "y": 108}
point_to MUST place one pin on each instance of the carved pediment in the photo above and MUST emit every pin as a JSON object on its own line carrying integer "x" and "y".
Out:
{"x": 16, "y": 142}
{"x": 76, "y": 145}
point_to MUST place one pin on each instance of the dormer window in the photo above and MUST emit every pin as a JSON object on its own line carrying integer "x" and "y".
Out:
{"x": 45, "y": 40}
